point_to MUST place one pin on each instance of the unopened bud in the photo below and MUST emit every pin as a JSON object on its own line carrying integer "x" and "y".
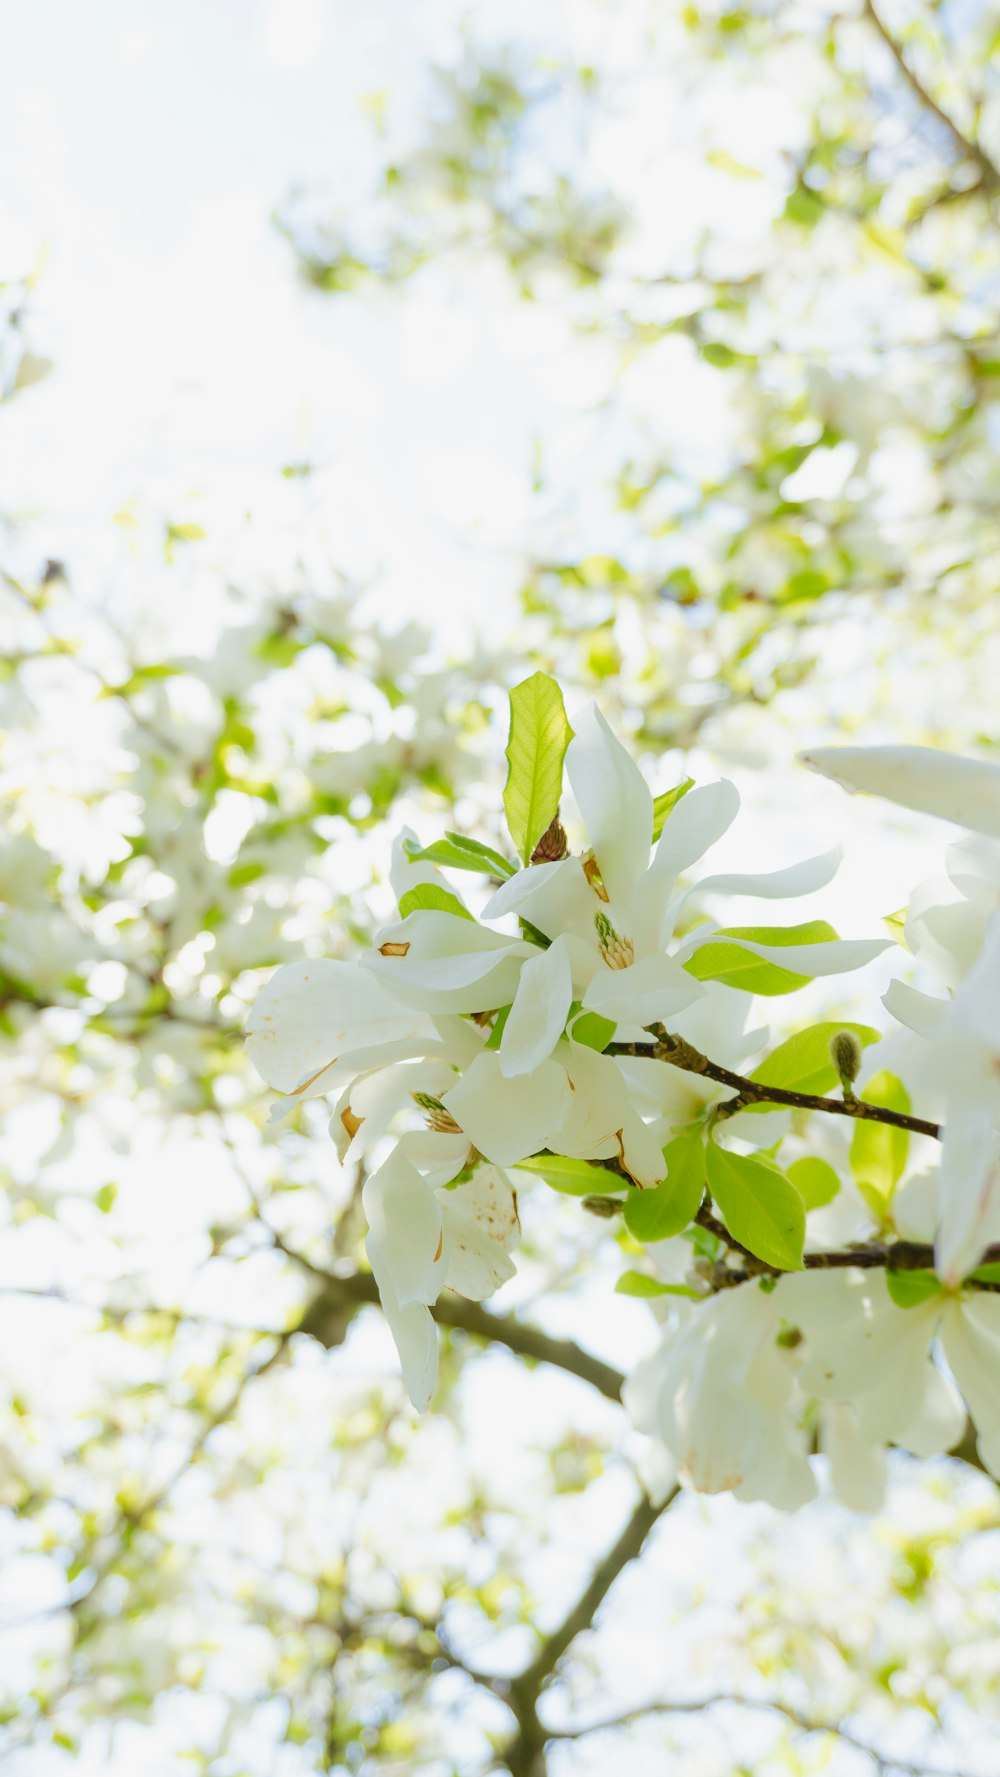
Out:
{"x": 603, "y": 1206}
{"x": 552, "y": 846}
{"x": 845, "y": 1053}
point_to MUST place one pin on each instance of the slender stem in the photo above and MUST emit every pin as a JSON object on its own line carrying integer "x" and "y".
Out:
{"x": 968, "y": 147}
{"x": 663, "y": 1046}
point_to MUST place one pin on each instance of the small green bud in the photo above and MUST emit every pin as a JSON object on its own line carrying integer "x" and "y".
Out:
{"x": 845, "y": 1053}
{"x": 603, "y": 1206}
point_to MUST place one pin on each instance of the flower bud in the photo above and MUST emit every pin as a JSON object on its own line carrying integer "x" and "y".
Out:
{"x": 602, "y": 1206}
{"x": 845, "y": 1053}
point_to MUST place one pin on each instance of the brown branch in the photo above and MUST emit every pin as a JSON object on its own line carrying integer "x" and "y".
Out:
{"x": 324, "y": 1320}
{"x": 968, "y": 146}
{"x": 663, "y": 1046}
{"x": 525, "y": 1754}
{"x": 723, "y": 1699}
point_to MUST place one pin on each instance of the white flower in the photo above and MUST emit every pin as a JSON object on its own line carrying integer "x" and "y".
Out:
{"x": 421, "y": 1240}
{"x": 716, "y": 1394}
{"x": 860, "y": 1347}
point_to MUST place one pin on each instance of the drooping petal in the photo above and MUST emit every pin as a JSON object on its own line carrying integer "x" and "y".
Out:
{"x": 404, "y": 1218}
{"x": 413, "y": 1331}
{"x": 538, "y": 1015}
{"x": 966, "y": 791}
{"x": 857, "y": 1467}
{"x": 508, "y": 1119}
{"x": 968, "y": 1189}
{"x": 480, "y": 1226}
{"x": 970, "y": 1334}
{"x": 941, "y": 1421}
{"x": 309, "y": 1012}
{"x": 615, "y": 802}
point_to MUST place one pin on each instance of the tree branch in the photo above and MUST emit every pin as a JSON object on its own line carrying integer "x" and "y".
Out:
{"x": 525, "y": 1754}
{"x": 723, "y": 1699}
{"x": 663, "y": 1046}
{"x": 324, "y": 1321}
{"x": 968, "y": 147}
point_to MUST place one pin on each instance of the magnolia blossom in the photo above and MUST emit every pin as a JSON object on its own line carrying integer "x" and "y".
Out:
{"x": 716, "y": 1393}
{"x": 498, "y": 1036}
{"x": 421, "y": 1239}
{"x": 953, "y": 928}
{"x": 860, "y": 1347}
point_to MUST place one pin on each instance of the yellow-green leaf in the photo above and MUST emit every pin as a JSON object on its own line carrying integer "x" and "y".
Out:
{"x": 539, "y": 736}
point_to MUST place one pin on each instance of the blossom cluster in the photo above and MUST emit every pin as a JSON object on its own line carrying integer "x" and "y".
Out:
{"x": 582, "y": 1022}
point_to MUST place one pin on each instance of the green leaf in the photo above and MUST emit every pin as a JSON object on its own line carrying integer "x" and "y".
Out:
{"x": 636, "y": 1283}
{"x": 803, "y": 1064}
{"x": 719, "y": 960}
{"x": 815, "y": 1180}
{"x": 457, "y": 853}
{"x": 428, "y": 895}
{"x": 878, "y": 1152}
{"x": 909, "y": 1289}
{"x": 575, "y": 1178}
{"x": 760, "y": 1208}
{"x": 667, "y": 800}
{"x": 987, "y": 1273}
{"x": 593, "y": 1031}
{"x": 656, "y": 1215}
{"x": 539, "y": 736}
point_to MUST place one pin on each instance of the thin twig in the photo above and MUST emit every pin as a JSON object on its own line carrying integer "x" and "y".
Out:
{"x": 663, "y": 1046}
{"x": 968, "y": 146}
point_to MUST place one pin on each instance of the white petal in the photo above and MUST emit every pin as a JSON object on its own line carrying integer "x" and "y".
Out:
{"x": 600, "y": 1122}
{"x": 857, "y": 1467}
{"x": 970, "y": 1335}
{"x": 976, "y": 1007}
{"x": 405, "y": 1221}
{"x": 452, "y": 965}
{"x": 508, "y": 1119}
{"x": 615, "y": 802}
{"x": 920, "y": 1012}
{"x": 554, "y": 897}
{"x": 694, "y": 824}
{"x": 541, "y": 1006}
{"x": 309, "y": 1012}
{"x": 414, "y": 1332}
{"x": 941, "y": 1421}
{"x": 832, "y": 956}
{"x": 968, "y": 1190}
{"x": 966, "y": 791}
{"x": 651, "y": 989}
{"x": 480, "y": 1225}
{"x": 795, "y": 879}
